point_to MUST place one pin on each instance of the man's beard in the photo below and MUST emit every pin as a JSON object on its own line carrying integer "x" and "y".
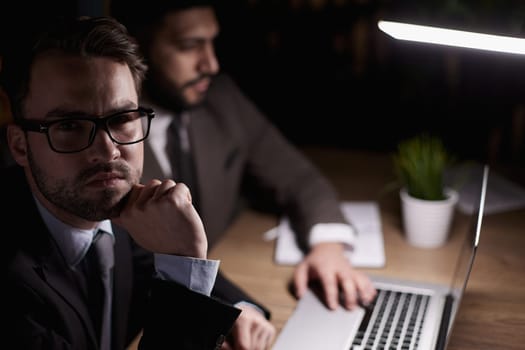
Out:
{"x": 167, "y": 95}
{"x": 67, "y": 194}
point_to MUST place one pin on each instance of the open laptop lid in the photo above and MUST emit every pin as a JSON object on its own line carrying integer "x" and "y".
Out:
{"x": 337, "y": 329}
{"x": 463, "y": 267}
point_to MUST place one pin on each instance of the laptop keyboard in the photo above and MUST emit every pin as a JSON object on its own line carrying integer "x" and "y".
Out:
{"x": 393, "y": 321}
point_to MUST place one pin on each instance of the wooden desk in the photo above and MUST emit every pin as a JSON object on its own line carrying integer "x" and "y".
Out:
{"x": 492, "y": 315}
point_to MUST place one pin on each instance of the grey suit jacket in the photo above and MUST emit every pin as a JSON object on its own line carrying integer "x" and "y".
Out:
{"x": 238, "y": 154}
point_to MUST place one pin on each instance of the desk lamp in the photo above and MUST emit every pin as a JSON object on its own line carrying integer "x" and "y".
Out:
{"x": 452, "y": 37}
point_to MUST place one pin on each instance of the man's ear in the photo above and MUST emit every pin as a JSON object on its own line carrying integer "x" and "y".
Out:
{"x": 17, "y": 142}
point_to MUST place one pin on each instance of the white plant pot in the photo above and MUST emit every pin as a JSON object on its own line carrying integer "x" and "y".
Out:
{"x": 427, "y": 223}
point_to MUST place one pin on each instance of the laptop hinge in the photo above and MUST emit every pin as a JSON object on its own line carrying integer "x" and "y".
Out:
{"x": 445, "y": 321}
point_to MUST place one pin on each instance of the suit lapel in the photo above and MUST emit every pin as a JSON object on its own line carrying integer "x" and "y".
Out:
{"x": 216, "y": 157}
{"x": 38, "y": 249}
{"x": 63, "y": 281}
{"x": 209, "y": 147}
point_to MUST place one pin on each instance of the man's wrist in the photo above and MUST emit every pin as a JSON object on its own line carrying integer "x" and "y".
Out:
{"x": 247, "y": 303}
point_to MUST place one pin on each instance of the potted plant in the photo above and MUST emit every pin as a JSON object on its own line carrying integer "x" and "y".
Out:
{"x": 427, "y": 204}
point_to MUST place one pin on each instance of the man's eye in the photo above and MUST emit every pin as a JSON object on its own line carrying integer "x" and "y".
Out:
{"x": 124, "y": 118}
{"x": 187, "y": 45}
{"x": 69, "y": 125}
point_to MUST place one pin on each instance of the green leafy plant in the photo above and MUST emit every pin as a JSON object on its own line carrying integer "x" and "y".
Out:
{"x": 420, "y": 163}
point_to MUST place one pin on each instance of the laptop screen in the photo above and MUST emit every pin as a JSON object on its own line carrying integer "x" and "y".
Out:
{"x": 464, "y": 265}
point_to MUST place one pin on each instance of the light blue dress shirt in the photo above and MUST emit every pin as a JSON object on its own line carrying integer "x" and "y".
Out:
{"x": 196, "y": 274}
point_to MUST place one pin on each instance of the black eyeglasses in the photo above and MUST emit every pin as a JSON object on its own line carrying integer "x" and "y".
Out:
{"x": 76, "y": 133}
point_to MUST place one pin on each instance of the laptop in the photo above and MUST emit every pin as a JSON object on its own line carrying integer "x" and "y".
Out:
{"x": 404, "y": 315}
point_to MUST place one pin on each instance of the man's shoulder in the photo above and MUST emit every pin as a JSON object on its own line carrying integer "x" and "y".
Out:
{"x": 226, "y": 95}
{"x": 224, "y": 79}
{"x": 223, "y": 84}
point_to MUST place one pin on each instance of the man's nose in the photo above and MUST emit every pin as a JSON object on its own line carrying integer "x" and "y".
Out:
{"x": 209, "y": 63}
{"x": 103, "y": 145}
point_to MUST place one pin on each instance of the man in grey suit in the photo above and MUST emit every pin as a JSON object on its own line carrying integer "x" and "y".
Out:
{"x": 228, "y": 150}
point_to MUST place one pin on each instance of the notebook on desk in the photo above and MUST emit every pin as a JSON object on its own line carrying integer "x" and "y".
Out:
{"x": 404, "y": 315}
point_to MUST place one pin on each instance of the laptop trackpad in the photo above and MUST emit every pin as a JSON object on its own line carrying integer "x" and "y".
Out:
{"x": 311, "y": 326}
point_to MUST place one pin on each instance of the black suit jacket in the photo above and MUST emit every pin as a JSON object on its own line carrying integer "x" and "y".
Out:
{"x": 43, "y": 307}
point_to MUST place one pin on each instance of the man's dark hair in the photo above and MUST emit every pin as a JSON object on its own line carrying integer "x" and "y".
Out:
{"x": 140, "y": 14}
{"x": 86, "y": 37}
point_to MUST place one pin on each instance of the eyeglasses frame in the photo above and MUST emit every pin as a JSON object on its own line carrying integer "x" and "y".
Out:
{"x": 100, "y": 123}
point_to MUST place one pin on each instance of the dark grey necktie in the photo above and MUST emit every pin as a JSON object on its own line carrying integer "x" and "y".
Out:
{"x": 101, "y": 261}
{"x": 179, "y": 153}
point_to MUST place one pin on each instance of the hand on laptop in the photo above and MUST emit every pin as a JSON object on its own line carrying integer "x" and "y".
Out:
{"x": 327, "y": 264}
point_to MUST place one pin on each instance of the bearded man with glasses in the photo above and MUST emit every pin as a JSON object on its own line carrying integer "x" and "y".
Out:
{"x": 77, "y": 143}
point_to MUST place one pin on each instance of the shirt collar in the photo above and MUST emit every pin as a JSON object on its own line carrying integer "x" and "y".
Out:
{"x": 72, "y": 242}
{"x": 157, "y": 138}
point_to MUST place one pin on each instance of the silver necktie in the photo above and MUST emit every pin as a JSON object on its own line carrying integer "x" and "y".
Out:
{"x": 102, "y": 247}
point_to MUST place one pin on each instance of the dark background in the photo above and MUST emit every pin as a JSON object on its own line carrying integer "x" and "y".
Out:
{"x": 325, "y": 74}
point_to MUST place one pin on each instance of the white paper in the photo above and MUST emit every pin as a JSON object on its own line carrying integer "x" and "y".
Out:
{"x": 502, "y": 194}
{"x": 368, "y": 249}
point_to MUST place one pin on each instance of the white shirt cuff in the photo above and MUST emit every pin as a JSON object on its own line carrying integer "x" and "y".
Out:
{"x": 196, "y": 274}
{"x": 334, "y": 232}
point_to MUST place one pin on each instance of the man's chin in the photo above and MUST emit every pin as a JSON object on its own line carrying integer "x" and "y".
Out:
{"x": 119, "y": 204}
{"x": 195, "y": 101}
{"x": 111, "y": 203}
